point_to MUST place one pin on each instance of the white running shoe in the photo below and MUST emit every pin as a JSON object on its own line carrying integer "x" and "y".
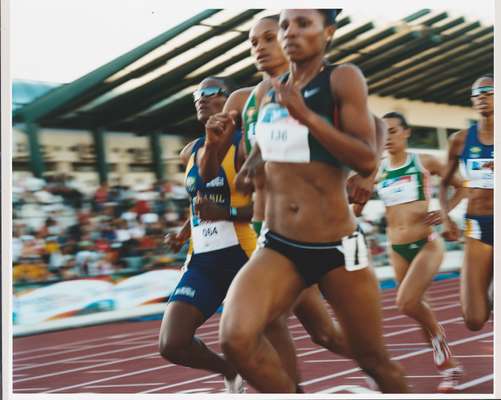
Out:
{"x": 441, "y": 352}
{"x": 450, "y": 379}
{"x": 236, "y": 385}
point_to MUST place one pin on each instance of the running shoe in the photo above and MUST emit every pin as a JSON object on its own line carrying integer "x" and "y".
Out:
{"x": 441, "y": 352}
{"x": 236, "y": 385}
{"x": 372, "y": 384}
{"x": 450, "y": 379}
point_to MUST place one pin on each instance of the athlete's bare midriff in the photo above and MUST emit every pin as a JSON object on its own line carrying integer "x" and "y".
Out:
{"x": 308, "y": 202}
{"x": 480, "y": 202}
{"x": 405, "y": 222}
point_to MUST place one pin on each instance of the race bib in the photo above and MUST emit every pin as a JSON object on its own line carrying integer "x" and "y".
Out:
{"x": 280, "y": 137}
{"x": 355, "y": 252}
{"x": 402, "y": 189}
{"x": 209, "y": 236}
{"x": 480, "y": 173}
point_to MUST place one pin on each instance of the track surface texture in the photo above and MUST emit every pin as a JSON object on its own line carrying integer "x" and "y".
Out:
{"x": 123, "y": 357}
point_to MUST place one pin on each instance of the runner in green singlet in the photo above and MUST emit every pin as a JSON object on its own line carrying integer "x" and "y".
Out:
{"x": 416, "y": 251}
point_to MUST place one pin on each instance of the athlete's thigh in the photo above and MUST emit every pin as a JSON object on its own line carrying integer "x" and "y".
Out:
{"x": 311, "y": 309}
{"x": 355, "y": 298}
{"x": 400, "y": 265}
{"x": 476, "y": 273}
{"x": 263, "y": 289}
{"x": 422, "y": 269}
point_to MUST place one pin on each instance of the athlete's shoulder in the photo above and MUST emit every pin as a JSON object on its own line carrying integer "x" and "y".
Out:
{"x": 185, "y": 153}
{"x": 458, "y": 138}
{"x": 262, "y": 88}
{"x": 346, "y": 71}
{"x": 237, "y": 99}
{"x": 430, "y": 163}
{"x": 347, "y": 78}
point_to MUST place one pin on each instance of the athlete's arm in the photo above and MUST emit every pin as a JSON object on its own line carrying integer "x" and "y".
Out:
{"x": 185, "y": 153}
{"x": 208, "y": 210}
{"x": 219, "y": 134}
{"x": 175, "y": 241}
{"x": 456, "y": 145}
{"x": 438, "y": 168}
{"x": 359, "y": 188}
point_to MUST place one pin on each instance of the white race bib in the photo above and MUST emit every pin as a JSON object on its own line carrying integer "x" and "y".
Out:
{"x": 280, "y": 137}
{"x": 403, "y": 189}
{"x": 209, "y": 236}
{"x": 355, "y": 252}
{"x": 480, "y": 173}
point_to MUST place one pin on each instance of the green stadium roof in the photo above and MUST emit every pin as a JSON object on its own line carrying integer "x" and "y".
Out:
{"x": 427, "y": 56}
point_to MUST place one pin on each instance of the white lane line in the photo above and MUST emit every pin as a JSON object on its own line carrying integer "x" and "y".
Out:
{"x": 475, "y": 356}
{"x": 203, "y": 378}
{"x": 30, "y": 389}
{"x": 407, "y": 344}
{"x": 348, "y": 388}
{"x": 109, "y": 378}
{"x": 65, "y": 346}
{"x": 331, "y": 360}
{"x": 475, "y": 382}
{"x": 123, "y": 385}
{"x": 155, "y": 354}
{"x": 91, "y": 361}
{"x": 103, "y": 371}
{"x": 401, "y": 357}
{"x": 201, "y": 390}
{"x": 104, "y": 353}
{"x": 487, "y": 341}
{"x": 144, "y": 344}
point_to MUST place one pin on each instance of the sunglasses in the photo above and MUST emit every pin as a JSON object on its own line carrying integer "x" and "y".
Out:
{"x": 208, "y": 92}
{"x": 482, "y": 90}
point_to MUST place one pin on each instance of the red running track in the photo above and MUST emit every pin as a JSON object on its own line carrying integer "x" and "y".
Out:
{"x": 123, "y": 357}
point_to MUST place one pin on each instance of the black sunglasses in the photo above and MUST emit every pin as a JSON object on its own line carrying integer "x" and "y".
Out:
{"x": 208, "y": 92}
{"x": 482, "y": 90}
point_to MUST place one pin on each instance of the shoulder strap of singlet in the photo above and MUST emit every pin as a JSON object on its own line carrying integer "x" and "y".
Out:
{"x": 470, "y": 140}
{"x": 198, "y": 144}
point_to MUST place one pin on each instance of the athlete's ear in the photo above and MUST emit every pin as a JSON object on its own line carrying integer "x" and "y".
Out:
{"x": 329, "y": 33}
{"x": 407, "y": 133}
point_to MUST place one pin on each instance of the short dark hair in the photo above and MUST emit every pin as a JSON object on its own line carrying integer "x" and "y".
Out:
{"x": 330, "y": 15}
{"x": 275, "y": 17}
{"x": 228, "y": 83}
{"x": 400, "y": 117}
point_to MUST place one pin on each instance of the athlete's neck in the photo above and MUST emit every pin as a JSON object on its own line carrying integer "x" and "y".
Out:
{"x": 397, "y": 159}
{"x": 273, "y": 73}
{"x": 304, "y": 71}
{"x": 486, "y": 127}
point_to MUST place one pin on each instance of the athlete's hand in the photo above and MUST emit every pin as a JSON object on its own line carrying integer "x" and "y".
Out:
{"x": 357, "y": 209}
{"x": 174, "y": 241}
{"x": 289, "y": 95}
{"x": 208, "y": 210}
{"x": 433, "y": 218}
{"x": 219, "y": 126}
{"x": 451, "y": 231}
{"x": 359, "y": 189}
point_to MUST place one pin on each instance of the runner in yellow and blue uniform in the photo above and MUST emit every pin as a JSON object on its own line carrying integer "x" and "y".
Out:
{"x": 473, "y": 150}
{"x": 218, "y": 249}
